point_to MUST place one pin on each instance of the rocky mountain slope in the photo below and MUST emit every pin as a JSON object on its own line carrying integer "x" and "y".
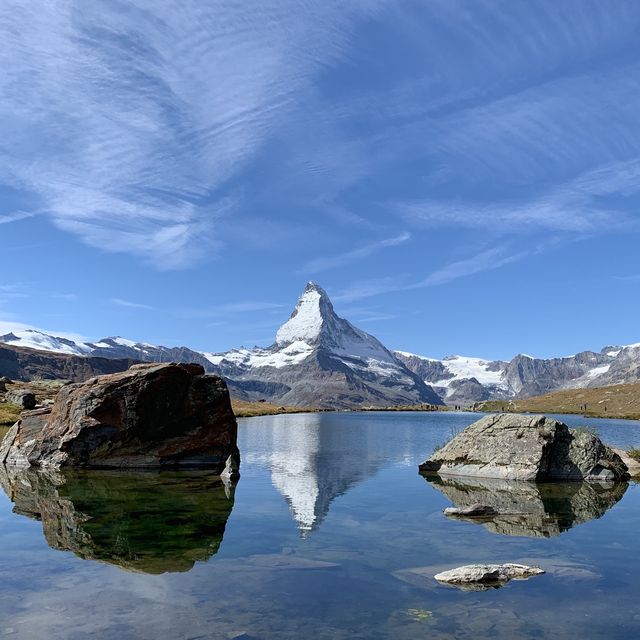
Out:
{"x": 20, "y": 363}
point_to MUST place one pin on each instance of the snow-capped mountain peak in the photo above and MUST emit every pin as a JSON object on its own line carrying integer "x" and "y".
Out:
{"x": 312, "y": 312}
{"x": 315, "y": 323}
{"x": 44, "y": 342}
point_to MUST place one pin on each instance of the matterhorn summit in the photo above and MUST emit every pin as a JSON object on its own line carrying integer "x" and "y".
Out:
{"x": 312, "y": 315}
{"x": 321, "y": 360}
{"x": 315, "y": 323}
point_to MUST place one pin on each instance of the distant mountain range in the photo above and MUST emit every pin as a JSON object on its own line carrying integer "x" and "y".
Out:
{"x": 319, "y": 359}
{"x": 461, "y": 380}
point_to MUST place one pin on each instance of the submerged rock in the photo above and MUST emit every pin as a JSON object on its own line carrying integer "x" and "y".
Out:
{"x": 153, "y": 415}
{"x": 524, "y": 447}
{"x": 486, "y": 576}
{"x": 472, "y": 511}
{"x": 531, "y": 509}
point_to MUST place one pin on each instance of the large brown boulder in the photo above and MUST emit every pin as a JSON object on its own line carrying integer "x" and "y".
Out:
{"x": 151, "y": 416}
{"x": 524, "y": 447}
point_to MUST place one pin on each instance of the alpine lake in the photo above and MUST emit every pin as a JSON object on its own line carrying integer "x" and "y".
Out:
{"x": 329, "y": 533}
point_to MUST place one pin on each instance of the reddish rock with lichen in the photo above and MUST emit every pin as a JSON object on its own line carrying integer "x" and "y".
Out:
{"x": 150, "y": 416}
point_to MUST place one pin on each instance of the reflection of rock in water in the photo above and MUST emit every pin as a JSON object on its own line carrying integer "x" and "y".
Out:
{"x": 315, "y": 458}
{"x": 532, "y": 509}
{"x": 147, "y": 522}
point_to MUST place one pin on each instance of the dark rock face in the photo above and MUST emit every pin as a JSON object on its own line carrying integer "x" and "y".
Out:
{"x": 523, "y": 447}
{"x": 21, "y": 363}
{"x": 466, "y": 392}
{"x": 112, "y": 348}
{"x": 530, "y": 509}
{"x": 149, "y": 416}
{"x": 534, "y": 376}
{"x": 144, "y": 522}
{"x": 625, "y": 368}
{"x": 427, "y": 369}
{"x": 22, "y": 399}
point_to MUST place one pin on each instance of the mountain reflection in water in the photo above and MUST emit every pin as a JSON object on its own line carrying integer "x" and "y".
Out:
{"x": 145, "y": 522}
{"x": 531, "y": 509}
{"x": 314, "y": 458}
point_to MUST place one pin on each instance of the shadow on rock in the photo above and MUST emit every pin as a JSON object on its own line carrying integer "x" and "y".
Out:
{"x": 530, "y": 509}
{"x": 144, "y": 522}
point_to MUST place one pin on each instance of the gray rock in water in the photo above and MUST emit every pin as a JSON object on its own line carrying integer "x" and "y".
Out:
{"x": 632, "y": 464}
{"x": 524, "y": 447}
{"x": 23, "y": 399}
{"x": 150, "y": 416}
{"x": 476, "y": 577}
{"x": 231, "y": 469}
{"x": 472, "y": 511}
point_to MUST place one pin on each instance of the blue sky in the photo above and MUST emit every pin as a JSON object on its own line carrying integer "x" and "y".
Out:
{"x": 462, "y": 177}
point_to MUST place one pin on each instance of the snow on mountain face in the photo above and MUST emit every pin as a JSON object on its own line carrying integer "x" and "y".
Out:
{"x": 307, "y": 320}
{"x": 462, "y": 368}
{"x": 460, "y": 379}
{"x": 256, "y": 358}
{"x": 43, "y": 342}
{"x": 315, "y": 323}
{"x": 456, "y": 368}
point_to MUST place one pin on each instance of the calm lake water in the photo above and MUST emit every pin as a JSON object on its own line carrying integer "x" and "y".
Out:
{"x": 330, "y": 533}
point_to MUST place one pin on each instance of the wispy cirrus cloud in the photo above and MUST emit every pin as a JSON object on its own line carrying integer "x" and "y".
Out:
{"x": 369, "y": 288}
{"x": 581, "y": 205}
{"x": 129, "y": 122}
{"x": 332, "y": 262}
{"x": 128, "y": 304}
{"x": 224, "y": 309}
{"x": 486, "y": 260}
{"x": 15, "y": 216}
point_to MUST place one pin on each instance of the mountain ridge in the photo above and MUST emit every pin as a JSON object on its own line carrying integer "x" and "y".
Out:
{"x": 320, "y": 359}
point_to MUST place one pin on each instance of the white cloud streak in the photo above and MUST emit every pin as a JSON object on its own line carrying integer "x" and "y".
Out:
{"x": 248, "y": 306}
{"x": 332, "y": 262}
{"x": 487, "y": 260}
{"x": 15, "y": 216}
{"x": 484, "y": 261}
{"x": 127, "y": 304}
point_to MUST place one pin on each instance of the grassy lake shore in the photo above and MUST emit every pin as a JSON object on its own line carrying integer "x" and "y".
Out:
{"x": 620, "y": 401}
